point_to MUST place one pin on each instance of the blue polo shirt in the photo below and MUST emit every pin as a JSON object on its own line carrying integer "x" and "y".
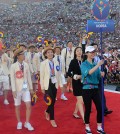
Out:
{"x": 89, "y": 81}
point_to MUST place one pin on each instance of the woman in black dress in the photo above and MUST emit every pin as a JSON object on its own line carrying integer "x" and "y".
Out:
{"x": 75, "y": 73}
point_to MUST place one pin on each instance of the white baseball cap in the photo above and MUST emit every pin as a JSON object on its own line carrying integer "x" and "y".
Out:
{"x": 107, "y": 55}
{"x": 89, "y": 49}
{"x": 113, "y": 62}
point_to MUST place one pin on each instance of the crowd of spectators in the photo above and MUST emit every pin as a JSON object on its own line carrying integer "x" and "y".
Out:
{"x": 64, "y": 19}
{"x": 112, "y": 65}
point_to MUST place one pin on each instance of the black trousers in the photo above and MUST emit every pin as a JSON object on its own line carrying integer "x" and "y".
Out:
{"x": 90, "y": 95}
{"x": 52, "y": 91}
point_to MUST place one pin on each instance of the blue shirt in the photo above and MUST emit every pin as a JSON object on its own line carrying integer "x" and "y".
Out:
{"x": 89, "y": 81}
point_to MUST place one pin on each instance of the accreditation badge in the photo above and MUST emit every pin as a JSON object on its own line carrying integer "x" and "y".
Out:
{"x": 53, "y": 79}
{"x": 25, "y": 86}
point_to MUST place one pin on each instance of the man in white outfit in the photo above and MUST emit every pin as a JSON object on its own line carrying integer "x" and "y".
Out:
{"x": 60, "y": 71}
{"x": 68, "y": 54}
{"x": 4, "y": 72}
{"x": 33, "y": 62}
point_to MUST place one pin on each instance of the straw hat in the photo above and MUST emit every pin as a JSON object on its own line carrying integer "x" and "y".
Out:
{"x": 46, "y": 49}
{"x": 31, "y": 45}
{"x": 22, "y": 45}
{"x": 18, "y": 52}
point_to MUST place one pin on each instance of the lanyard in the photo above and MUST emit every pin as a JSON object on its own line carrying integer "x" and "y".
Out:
{"x": 51, "y": 64}
{"x": 32, "y": 55}
{"x": 79, "y": 62}
{"x": 58, "y": 59}
{"x": 21, "y": 67}
{"x": 41, "y": 59}
{"x": 59, "y": 67}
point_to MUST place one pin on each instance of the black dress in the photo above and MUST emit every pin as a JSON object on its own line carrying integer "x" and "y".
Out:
{"x": 74, "y": 69}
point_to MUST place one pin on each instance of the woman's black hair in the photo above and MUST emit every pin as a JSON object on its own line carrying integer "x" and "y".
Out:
{"x": 15, "y": 59}
{"x": 75, "y": 51}
{"x": 84, "y": 57}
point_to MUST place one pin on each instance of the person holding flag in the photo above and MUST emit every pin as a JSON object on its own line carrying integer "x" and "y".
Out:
{"x": 90, "y": 79}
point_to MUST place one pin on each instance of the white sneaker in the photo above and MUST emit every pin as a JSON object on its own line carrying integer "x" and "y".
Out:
{"x": 6, "y": 102}
{"x": 63, "y": 97}
{"x": 19, "y": 125}
{"x": 28, "y": 126}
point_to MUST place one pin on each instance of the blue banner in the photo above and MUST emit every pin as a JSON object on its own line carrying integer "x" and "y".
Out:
{"x": 98, "y": 26}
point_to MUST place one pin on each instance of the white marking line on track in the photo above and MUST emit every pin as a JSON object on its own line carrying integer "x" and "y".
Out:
{"x": 116, "y": 92}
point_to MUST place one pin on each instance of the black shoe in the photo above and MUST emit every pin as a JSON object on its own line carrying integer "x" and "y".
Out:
{"x": 107, "y": 112}
{"x": 88, "y": 131}
{"x": 100, "y": 131}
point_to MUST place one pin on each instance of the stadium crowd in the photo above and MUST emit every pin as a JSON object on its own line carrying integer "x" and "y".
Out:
{"x": 65, "y": 20}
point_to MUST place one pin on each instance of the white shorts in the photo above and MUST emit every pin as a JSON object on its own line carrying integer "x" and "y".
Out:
{"x": 60, "y": 80}
{"x": 63, "y": 79}
{"x": 22, "y": 96}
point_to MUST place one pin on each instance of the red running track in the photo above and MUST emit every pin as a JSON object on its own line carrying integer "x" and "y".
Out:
{"x": 63, "y": 113}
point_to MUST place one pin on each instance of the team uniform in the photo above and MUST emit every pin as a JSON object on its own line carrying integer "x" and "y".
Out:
{"x": 21, "y": 82}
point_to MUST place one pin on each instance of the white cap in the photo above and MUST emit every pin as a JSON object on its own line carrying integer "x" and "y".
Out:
{"x": 107, "y": 55}
{"x": 89, "y": 49}
{"x": 113, "y": 62}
